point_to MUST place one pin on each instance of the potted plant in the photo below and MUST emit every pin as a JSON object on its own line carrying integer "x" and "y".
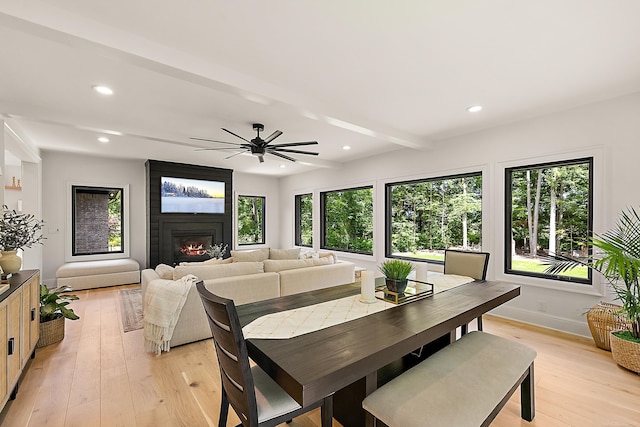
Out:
{"x": 17, "y": 231}
{"x": 53, "y": 311}
{"x": 618, "y": 260}
{"x": 396, "y": 272}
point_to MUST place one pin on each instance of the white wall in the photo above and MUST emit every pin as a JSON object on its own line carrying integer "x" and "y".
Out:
{"x": 610, "y": 131}
{"x": 59, "y": 170}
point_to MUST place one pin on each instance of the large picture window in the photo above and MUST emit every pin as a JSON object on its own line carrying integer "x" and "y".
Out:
{"x": 548, "y": 211}
{"x": 304, "y": 220}
{"x": 424, "y": 217}
{"x": 97, "y": 220}
{"x": 347, "y": 220}
{"x": 251, "y": 223}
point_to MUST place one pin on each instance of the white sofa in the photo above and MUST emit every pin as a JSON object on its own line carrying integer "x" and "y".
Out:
{"x": 246, "y": 282}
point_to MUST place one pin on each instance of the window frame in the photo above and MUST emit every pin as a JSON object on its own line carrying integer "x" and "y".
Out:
{"x": 70, "y": 255}
{"x": 298, "y": 220}
{"x": 264, "y": 220}
{"x": 388, "y": 207}
{"x": 323, "y": 220}
{"x": 508, "y": 208}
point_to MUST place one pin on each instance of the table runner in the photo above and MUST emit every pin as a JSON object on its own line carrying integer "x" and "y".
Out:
{"x": 299, "y": 321}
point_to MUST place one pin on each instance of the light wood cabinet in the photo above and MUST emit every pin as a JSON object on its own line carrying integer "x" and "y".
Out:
{"x": 19, "y": 329}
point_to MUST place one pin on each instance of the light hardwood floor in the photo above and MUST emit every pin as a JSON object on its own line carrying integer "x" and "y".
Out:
{"x": 101, "y": 376}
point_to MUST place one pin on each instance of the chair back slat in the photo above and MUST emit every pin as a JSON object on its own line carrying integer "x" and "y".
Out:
{"x": 231, "y": 351}
{"x": 466, "y": 263}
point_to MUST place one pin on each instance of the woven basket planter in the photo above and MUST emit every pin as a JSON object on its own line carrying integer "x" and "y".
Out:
{"x": 626, "y": 353}
{"x": 51, "y": 331}
{"x": 604, "y": 318}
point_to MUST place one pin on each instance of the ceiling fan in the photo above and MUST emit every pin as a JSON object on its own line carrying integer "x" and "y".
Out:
{"x": 259, "y": 147}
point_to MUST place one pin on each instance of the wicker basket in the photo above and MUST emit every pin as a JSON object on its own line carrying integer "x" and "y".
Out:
{"x": 604, "y": 318}
{"x": 51, "y": 332}
{"x": 626, "y": 353}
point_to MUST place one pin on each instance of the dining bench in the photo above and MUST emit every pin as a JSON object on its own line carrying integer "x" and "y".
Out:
{"x": 465, "y": 384}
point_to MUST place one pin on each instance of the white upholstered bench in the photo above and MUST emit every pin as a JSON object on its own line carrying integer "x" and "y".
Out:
{"x": 465, "y": 384}
{"x": 97, "y": 274}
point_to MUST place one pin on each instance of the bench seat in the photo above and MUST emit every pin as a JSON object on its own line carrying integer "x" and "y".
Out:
{"x": 95, "y": 274}
{"x": 464, "y": 384}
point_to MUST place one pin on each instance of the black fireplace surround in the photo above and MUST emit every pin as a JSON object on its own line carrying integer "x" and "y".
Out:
{"x": 176, "y": 237}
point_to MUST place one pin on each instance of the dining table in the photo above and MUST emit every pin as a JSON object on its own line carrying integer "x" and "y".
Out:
{"x": 351, "y": 359}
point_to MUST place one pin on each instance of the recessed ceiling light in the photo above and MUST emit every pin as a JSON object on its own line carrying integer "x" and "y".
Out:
{"x": 346, "y": 147}
{"x": 474, "y": 108}
{"x": 103, "y": 139}
{"x": 282, "y": 166}
{"x": 103, "y": 90}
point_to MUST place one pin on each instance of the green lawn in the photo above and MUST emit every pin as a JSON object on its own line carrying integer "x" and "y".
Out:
{"x": 528, "y": 265}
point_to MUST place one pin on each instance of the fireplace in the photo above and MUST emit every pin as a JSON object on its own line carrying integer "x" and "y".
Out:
{"x": 187, "y": 241}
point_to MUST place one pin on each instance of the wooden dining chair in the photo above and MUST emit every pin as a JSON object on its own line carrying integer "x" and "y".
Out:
{"x": 470, "y": 264}
{"x": 257, "y": 399}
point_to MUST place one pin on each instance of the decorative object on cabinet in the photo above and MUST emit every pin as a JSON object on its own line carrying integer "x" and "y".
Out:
{"x": 53, "y": 311}
{"x": 17, "y": 231}
{"x": 13, "y": 185}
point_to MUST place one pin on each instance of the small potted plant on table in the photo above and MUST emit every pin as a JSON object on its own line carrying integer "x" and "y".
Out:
{"x": 53, "y": 311}
{"x": 396, "y": 272}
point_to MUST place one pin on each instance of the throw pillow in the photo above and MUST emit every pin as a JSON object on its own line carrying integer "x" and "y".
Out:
{"x": 250, "y": 256}
{"x": 293, "y": 253}
{"x": 274, "y": 265}
{"x": 205, "y": 272}
{"x": 329, "y": 254}
{"x": 325, "y": 260}
{"x": 308, "y": 253}
{"x": 165, "y": 271}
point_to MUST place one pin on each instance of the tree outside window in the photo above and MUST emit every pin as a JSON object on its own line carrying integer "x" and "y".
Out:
{"x": 98, "y": 217}
{"x": 304, "y": 220}
{"x": 347, "y": 220}
{"x": 548, "y": 211}
{"x": 425, "y": 217}
{"x": 251, "y": 225}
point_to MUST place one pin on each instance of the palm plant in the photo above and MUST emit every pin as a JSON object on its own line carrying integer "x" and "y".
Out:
{"x": 618, "y": 261}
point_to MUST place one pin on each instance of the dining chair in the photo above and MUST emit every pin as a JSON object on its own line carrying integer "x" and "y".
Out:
{"x": 257, "y": 399}
{"x": 470, "y": 264}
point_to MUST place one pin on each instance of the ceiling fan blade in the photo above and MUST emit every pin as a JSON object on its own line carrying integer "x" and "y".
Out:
{"x": 284, "y": 150}
{"x": 275, "y": 153}
{"x": 235, "y": 154}
{"x": 295, "y": 144}
{"x": 237, "y": 136}
{"x": 219, "y": 142}
{"x": 273, "y": 136}
{"x": 218, "y": 149}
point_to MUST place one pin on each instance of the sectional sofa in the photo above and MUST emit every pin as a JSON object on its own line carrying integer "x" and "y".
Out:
{"x": 246, "y": 277}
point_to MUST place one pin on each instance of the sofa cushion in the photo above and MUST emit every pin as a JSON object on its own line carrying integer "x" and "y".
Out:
{"x": 293, "y": 253}
{"x": 211, "y": 261}
{"x": 276, "y": 265}
{"x": 205, "y": 272}
{"x": 250, "y": 256}
{"x": 165, "y": 271}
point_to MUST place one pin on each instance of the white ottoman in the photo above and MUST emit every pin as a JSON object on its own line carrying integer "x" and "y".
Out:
{"x": 98, "y": 274}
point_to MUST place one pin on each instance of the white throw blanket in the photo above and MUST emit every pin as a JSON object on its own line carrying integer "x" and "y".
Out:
{"x": 163, "y": 303}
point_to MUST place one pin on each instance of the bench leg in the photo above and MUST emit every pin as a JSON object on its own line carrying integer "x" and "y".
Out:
{"x": 527, "y": 397}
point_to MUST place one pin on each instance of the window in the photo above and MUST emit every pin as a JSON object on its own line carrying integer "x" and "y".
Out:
{"x": 97, "y": 220}
{"x": 304, "y": 219}
{"x": 548, "y": 210}
{"x": 347, "y": 220}
{"x": 251, "y": 220}
{"x": 424, "y": 217}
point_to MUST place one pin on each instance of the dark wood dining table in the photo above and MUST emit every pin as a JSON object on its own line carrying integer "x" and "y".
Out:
{"x": 314, "y": 365}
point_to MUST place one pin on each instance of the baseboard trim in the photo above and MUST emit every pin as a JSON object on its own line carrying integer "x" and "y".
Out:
{"x": 544, "y": 320}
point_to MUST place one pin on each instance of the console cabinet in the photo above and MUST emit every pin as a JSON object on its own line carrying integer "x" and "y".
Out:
{"x": 19, "y": 329}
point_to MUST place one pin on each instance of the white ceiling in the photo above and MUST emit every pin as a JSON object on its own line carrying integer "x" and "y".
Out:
{"x": 403, "y": 72}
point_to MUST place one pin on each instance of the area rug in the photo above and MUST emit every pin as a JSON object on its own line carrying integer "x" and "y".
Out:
{"x": 131, "y": 309}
